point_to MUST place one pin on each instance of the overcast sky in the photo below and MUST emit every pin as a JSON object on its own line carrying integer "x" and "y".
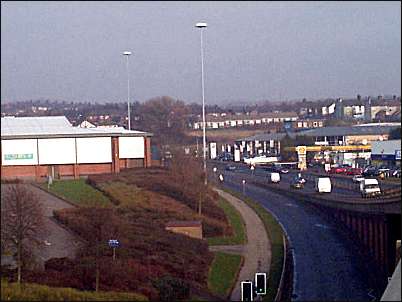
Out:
{"x": 253, "y": 50}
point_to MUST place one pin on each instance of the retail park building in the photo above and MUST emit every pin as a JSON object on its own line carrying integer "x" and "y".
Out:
{"x": 36, "y": 147}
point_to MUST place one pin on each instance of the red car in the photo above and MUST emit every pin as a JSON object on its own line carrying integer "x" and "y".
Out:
{"x": 354, "y": 171}
{"x": 337, "y": 170}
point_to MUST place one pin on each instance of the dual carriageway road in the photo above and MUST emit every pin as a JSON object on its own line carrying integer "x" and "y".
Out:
{"x": 327, "y": 263}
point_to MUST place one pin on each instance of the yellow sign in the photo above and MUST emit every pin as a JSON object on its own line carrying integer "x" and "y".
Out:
{"x": 301, "y": 150}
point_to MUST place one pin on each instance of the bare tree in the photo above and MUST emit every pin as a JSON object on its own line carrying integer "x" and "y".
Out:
{"x": 22, "y": 222}
{"x": 101, "y": 224}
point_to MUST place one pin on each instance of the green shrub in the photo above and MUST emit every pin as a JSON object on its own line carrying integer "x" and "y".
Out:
{"x": 172, "y": 289}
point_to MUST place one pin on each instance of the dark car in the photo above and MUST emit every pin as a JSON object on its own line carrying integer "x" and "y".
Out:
{"x": 370, "y": 171}
{"x": 230, "y": 167}
{"x": 297, "y": 183}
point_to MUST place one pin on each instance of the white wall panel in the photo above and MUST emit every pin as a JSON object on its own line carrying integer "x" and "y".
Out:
{"x": 131, "y": 147}
{"x": 56, "y": 151}
{"x": 94, "y": 150}
{"x": 19, "y": 152}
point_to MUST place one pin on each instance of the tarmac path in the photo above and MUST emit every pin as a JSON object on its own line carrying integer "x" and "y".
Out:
{"x": 256, "y": 252}
{"x": 57, "y": 240}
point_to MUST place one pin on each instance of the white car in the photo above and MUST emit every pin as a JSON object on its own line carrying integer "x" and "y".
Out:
{"x": 357, "y": 178}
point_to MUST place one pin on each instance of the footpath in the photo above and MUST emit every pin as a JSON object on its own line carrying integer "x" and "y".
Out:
{"x": 256, "y": 252}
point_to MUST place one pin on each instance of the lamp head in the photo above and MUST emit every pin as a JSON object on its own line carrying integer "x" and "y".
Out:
{"x": 201, "y": 25}
{"x": 127, "y": 53}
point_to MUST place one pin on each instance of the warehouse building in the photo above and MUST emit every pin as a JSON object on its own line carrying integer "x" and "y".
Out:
{"x": 36, "y": 147}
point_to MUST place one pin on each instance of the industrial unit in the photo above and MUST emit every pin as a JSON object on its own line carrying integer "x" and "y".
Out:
{"x": 36, "y": 147}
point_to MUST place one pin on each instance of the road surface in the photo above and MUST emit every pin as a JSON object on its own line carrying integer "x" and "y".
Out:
{"x": 327, "y": 265}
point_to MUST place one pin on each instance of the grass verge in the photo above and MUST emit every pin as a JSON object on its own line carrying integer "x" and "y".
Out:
{"x": 78, "y": 192}
{"x": 223, "y": 273}
{"x": 36, "y": 292}
{"x": 275, "y": 234}
{"x": 236, "y": 221}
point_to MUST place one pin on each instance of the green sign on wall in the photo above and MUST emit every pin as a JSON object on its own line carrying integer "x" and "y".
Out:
{"x": 18, "y": 156}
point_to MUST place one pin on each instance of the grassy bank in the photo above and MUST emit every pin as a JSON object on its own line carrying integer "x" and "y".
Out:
{"x": 78, "y": 192}
{"x": 223, "y": 273}
{"x": 237, "y": 223}
{"x": 35, "y": 292}
{"x": 275, "y": 234}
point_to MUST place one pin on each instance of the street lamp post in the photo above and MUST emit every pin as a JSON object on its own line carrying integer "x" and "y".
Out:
{"x": 201, "y": 26}
{"x": 127, "y": 54}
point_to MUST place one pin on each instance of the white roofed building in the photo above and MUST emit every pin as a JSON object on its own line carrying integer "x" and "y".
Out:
{"x": 42, "y": 146}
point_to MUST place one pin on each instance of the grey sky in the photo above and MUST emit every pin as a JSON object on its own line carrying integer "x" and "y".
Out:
{"x": 254, "y": 50}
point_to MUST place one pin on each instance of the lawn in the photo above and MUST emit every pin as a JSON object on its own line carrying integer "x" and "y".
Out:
{"x": 78, "y": 192}
{"x": 36, "y": 292}
{"x": 223, "y": 273}
{"x": 275, "y": 234}
{"x": 239, "y": 234}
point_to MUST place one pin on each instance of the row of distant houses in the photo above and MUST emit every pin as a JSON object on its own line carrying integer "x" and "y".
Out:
{"x": 357, "y": 109}
{"x": 214, "y": 121}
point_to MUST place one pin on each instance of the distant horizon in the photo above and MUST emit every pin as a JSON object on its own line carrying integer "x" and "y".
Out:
{"x": 223, "y": 103}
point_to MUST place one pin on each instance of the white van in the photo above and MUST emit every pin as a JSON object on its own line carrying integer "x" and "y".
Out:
{"x": 323, "y": 185}
{"x": 275, "y": 177}
{"x": 370, "y": 187}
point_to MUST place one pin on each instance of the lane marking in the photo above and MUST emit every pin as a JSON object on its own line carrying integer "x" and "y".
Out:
{"x": 319, "y": 225}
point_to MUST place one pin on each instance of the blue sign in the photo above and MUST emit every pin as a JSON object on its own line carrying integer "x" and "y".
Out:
{"x": 397, "y": 154}
{"x": 114, "y": 243}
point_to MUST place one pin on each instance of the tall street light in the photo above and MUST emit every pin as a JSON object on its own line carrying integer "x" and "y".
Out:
{"x": 127, "y": 54}
{"x": 201, "y": 26}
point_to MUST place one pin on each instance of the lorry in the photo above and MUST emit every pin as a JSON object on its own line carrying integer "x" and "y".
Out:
{"x": 369, "y": 187}
{"x": 275, "y": 177}
{"x": 323, "y": 185}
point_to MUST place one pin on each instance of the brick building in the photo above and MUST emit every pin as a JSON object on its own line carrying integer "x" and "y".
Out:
{"x": 36, "y": 147}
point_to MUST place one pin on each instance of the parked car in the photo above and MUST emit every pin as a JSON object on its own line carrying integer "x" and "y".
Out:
{"x": 354, "y": 171}
{"x": 280, "y": 169}
{"x": 357, "y": 178}
{"x": 396, "y": 173}
{"x": 337, "y": 170}
{"x": 230, "y": 167}
{"x": 370, "y": 171}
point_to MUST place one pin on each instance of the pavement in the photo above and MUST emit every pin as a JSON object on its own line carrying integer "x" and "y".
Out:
{"x": 57, "y": 241}
{"x": 256, "y": 252}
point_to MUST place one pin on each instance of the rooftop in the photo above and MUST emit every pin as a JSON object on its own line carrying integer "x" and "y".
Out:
{"x": 55, "y": 126}
{"x": 230, "y": 117}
